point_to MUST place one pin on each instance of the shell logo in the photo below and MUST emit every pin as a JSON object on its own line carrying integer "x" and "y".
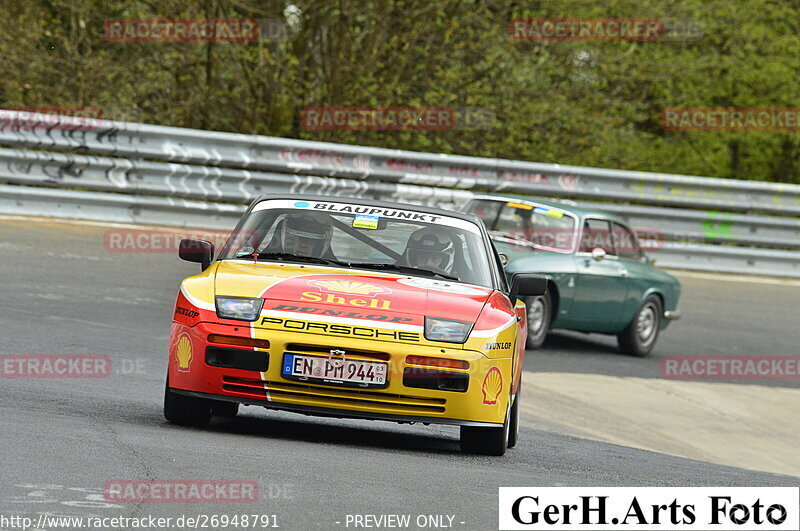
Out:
{"x": 183, "y": 353}
{"x": 350, "y": 287}
{"x": 492, "y": 385}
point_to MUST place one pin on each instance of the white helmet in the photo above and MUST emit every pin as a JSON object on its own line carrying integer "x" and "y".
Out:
{"x": 430, "y": 248}
{"x": 313, "y": 231}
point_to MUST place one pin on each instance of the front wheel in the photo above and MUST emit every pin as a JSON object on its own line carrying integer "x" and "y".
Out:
{"x": 186, "y": 410}
{"x": 486, "y": 441}
{"x": 640, "y": 336}
{"x": 538, "y": 313}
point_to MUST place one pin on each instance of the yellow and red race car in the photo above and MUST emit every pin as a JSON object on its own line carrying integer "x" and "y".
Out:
{"x": 352, "y": 308}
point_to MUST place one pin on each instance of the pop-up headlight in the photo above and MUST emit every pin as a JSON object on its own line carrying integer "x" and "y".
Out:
{"x": 447, "y": 330}
{"x": 239, "y": 308}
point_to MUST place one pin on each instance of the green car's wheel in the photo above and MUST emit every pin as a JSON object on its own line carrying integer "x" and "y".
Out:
{"x": 538, "y": 314}
{"x": 513, "y": 429}
{"x": 486, "y": 441}
{"x": 641, "y": 334}
{"x": 186, "y": 410}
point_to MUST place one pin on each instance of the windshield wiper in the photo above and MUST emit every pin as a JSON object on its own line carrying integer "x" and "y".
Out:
{"x": 301, "y": 258}
{"x": 407, "y": 270}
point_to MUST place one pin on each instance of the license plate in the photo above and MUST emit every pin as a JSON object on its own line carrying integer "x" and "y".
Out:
{"x": 352, "y": 373}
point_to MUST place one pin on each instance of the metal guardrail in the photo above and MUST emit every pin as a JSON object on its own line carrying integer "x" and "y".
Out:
{"x": 166, "y": 175}
{"x": 117, "y": 208}
{"x": 211, "y": 183}
{"x": 739, "y": 260}
{"x": 684, "y": 225}
{"x": 289, "y": 156}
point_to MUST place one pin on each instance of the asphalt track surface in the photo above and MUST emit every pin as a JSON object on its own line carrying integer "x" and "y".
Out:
{"x": 63, "y": 439}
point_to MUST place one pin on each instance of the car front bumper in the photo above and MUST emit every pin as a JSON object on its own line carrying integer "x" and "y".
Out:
{"x": 339, "y": 413}
{"x": 481, "y": 401}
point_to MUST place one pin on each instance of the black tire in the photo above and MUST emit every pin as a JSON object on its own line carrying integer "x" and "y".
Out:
{"x": 640, "y": 336}
{"x": 539, "y": 315}
{"x": 513, "y": 428}
{"x": 225, "y": 409}
{"x": 486, "y": 441}
{"x": 186, "y": 410}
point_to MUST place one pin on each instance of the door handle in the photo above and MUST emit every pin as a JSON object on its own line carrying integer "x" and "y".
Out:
{"x": 623, "y": 272}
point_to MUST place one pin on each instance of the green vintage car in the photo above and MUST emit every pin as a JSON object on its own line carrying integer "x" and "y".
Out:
{"x": 600, "y": 280}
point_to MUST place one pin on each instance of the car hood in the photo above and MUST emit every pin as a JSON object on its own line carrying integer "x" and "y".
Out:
{"x": 311, "y": 290}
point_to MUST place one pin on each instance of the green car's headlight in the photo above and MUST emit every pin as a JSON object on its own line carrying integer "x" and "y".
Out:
{"x": 447, "y": 330}
{"x": 239, "y": 308}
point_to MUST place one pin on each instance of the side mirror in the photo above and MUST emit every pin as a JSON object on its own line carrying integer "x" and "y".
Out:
{"x": 528, "y": 285}
{"x": 199, "y": 251}
{"x": 504, "y": 259}
{"x": 598, "y": 253}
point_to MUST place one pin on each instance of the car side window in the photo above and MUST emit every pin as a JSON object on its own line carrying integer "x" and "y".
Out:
{"x": 626, "y": 243}
{"x": 597, "y": 233}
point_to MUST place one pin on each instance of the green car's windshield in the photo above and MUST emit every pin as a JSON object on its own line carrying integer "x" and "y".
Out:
{"x": 527, "y": 226}
{"x": 363, "y": 236}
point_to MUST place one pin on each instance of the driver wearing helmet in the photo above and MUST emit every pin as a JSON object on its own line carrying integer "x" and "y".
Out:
{"x": 306, "y": 235}
{"x": 430, "y": 248}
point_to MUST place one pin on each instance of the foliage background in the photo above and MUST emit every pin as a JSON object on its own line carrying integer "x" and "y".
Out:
{"x": 583, "y": 103}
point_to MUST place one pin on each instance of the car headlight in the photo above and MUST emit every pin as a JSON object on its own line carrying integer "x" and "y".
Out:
{"x": 239, "y": 308}
{"x": 447, "y": 330}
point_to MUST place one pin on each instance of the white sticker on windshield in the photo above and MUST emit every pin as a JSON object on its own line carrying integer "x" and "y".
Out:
{"x": 345, "y": 209}
{"x": 372, "y": 211}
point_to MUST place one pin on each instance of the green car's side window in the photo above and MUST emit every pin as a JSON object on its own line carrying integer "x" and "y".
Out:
{"x": 597, "y": 233}
{"x": 626, "y": 243}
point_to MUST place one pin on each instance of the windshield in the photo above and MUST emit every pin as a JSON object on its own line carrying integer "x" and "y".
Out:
{"x": 527, "y": 226}
{"x": 363, "y": 236}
